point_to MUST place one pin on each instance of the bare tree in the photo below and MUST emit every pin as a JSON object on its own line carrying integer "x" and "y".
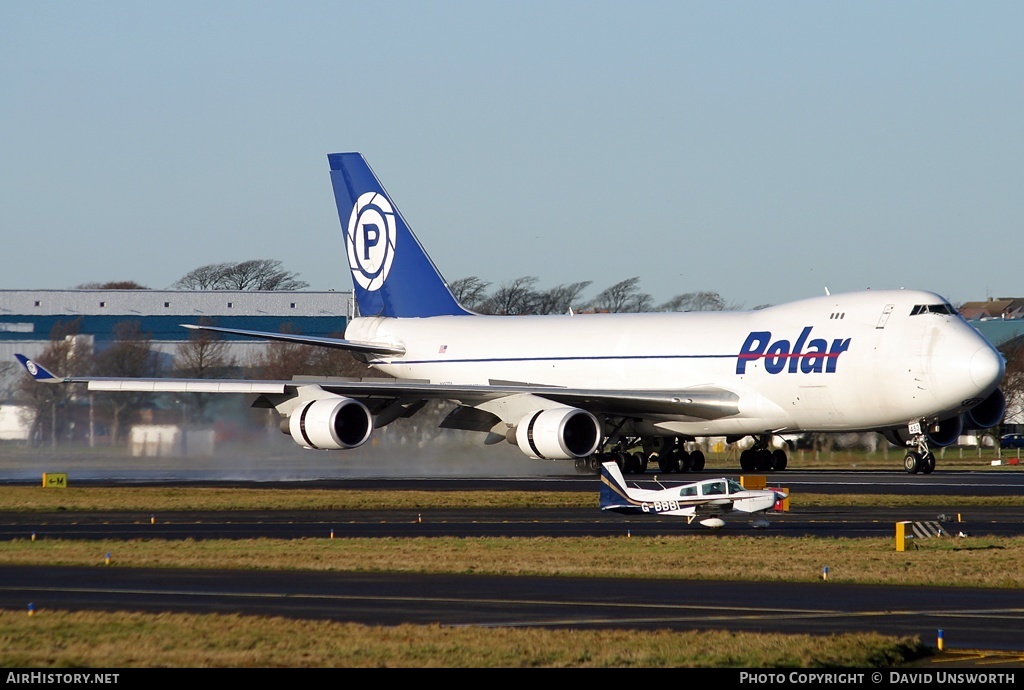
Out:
{"x": 205, "y": 355}
{"x": 260, "y": 274}
{"x": 65, "y": 355}
{"x": 202, "y": 278}
{"x": 1013, "y": 380}
{"x": 130, "y": 355}
{"x": 695, "y": 301}
{"x": 624, "y": 296}
{"x": 282, "y": 361}
{"x": 113, "y": 285}
{"x": 254, "y": 274}
{"x": 8, "y": 370}
{"x": 470, "y": 292}
{"x": 514, "y": 297}
{"x": 559, "y": 299}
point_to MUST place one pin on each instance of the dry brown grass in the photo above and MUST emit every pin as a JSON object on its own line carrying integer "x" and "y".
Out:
{"x": 61, "y": 639}
{"x": 148, "y": 500}
{"x": 973, "y": 562}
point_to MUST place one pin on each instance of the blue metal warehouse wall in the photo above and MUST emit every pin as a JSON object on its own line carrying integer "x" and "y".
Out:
{"x": 14, "y": 328}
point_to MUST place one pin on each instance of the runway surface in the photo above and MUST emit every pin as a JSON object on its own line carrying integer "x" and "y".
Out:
{"x": 991, "y": 619}
{"x": 986, "y": 618}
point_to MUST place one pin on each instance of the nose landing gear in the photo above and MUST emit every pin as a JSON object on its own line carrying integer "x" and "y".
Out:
{"x": 921, "y": 458}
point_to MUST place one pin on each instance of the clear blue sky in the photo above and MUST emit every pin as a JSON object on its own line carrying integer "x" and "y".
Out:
{"x": 761, "y": 150}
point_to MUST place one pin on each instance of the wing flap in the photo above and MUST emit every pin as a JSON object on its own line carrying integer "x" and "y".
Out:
{"x": 186, "y": 386}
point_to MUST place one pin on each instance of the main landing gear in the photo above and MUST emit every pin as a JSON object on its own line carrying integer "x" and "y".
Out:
{"x": 671, "y": 456}
{"x": 761, "y": 458}
{"x": 635, "y": 455}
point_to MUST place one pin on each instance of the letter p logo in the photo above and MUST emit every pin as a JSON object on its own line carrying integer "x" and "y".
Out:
{"x": 371, "y": 236}
{"x": 370, "y": 240}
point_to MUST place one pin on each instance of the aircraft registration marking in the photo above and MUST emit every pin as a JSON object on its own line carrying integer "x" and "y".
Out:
{"x": 659, "y": 506}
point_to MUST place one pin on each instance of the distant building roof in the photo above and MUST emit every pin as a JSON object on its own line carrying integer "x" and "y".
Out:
{"x": 30, "y": 315}
{"x": 191, "y": 303}
{"x": 1001, "y": 308}
{"x": 1001, "y": 323}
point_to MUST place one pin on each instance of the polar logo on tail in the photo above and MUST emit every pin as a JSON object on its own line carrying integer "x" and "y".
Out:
{"x": 371, "y": 240}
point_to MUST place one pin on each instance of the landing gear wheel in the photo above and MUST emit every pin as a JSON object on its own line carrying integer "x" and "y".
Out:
{"x": 928, "y": 463}
{"x": 665, "y": 462}
{"x": 624, "y": 461}
{"x": 582, "y": 465}
{"x": 594, "y": 462}
{"x": 763, "y": 460}
{"x": 748, "y": 459}
{"x": 697, "y": 460}
{"x": 641, "y": 463}
{"x": 673, "y": 460}
{"x": 685, "y": 461}
{"x": 779, "y": 460}
{"x": 912, "y": 463}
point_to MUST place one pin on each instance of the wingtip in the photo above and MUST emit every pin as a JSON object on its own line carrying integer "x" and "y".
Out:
{"x": 36, "y": 371}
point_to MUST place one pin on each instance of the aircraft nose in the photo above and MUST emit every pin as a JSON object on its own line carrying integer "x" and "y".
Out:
{"x": 987, "y": 367}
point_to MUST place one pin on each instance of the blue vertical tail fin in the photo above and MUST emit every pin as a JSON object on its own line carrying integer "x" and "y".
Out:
{"x": 391, "y": 274}
{"x": 614, "y": 494}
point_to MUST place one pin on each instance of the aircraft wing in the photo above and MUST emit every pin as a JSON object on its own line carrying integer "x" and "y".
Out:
{"x": 700, "y": 403}
{"x": 718, "y": 506}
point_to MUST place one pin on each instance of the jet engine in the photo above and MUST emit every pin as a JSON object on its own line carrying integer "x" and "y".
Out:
{"x": 940, "y": 434}
{"x": 987, "y": 413}
{"x": 559, "y": 433}
{"x": 330, "y": 423}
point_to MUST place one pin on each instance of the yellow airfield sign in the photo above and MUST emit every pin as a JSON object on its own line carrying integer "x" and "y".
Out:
{"x": 55, "y": 480}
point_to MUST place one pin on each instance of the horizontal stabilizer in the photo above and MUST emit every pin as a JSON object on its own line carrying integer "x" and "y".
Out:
{"x": 337, "y": 343}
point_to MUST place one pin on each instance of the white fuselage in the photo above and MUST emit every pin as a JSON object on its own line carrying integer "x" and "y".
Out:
{"x": 853, "y": 361}
{"x": 691, "y": 499}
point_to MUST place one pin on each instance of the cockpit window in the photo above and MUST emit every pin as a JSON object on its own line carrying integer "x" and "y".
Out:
{"x": 712, "y": 488}
{"x": 932, "y": 309}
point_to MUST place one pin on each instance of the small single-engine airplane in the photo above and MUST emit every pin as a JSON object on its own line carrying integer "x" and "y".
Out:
{"x": 597, "y": 387}
{"x": 705, "y": 501}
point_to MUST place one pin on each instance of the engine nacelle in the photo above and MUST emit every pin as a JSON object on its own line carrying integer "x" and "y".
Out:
{"x": 940, "y": 434}
{"x": 331, "y": 423}
{"x": 559, "y": 433}
{"x": 987, "y": 413}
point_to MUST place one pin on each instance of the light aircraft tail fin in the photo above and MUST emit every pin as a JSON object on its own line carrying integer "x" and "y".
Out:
{"x": 614, "y": 493}
{"x": 391, "y": 273}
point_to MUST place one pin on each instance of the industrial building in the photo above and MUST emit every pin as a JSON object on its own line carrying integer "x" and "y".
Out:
{"x": 29, "y": 317}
